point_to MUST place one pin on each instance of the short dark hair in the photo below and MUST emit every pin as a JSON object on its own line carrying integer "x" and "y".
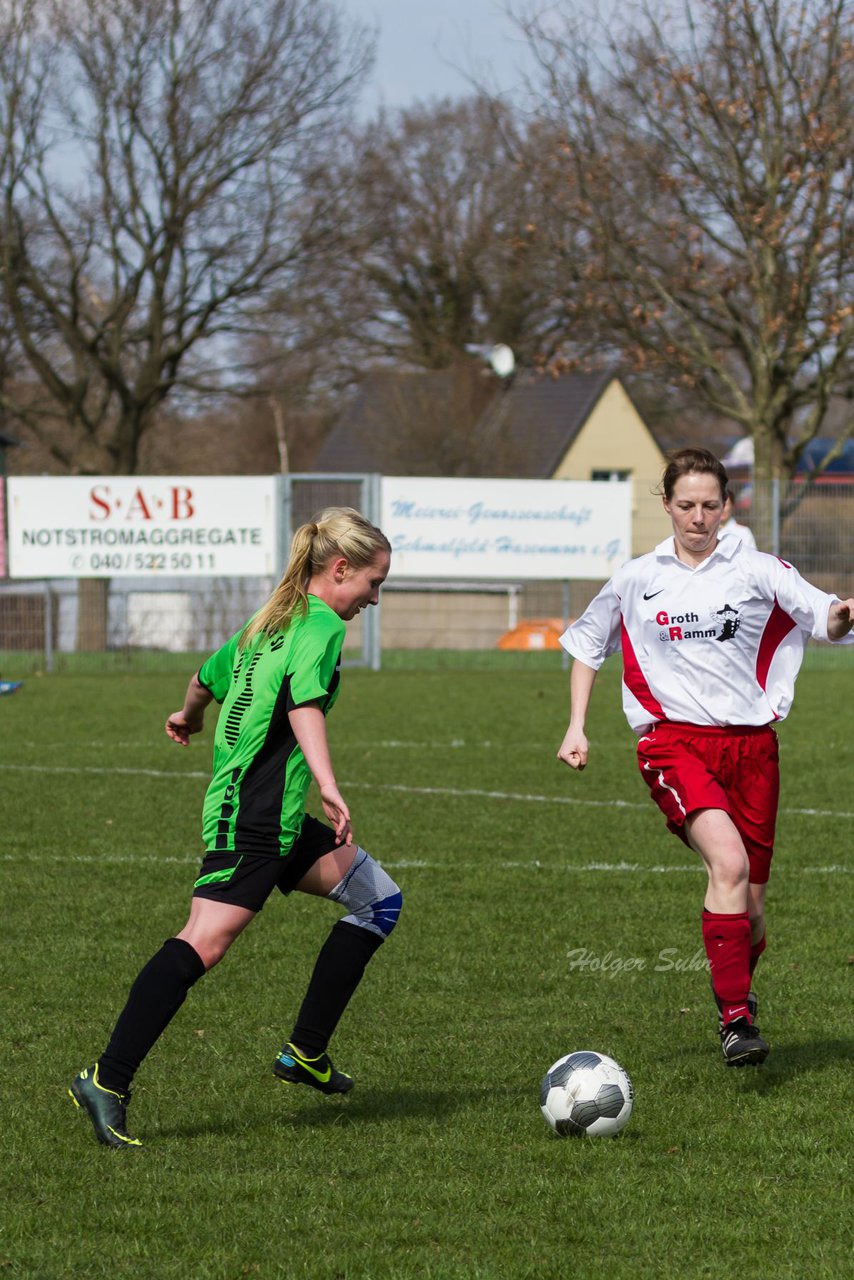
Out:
{"x": 685, "y": 462}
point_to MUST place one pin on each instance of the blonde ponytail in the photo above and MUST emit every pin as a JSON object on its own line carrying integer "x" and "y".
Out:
{"x": 336, "y": 531}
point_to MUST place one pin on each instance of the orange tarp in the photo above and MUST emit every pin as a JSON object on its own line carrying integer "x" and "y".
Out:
{"x": 534, "y": 633}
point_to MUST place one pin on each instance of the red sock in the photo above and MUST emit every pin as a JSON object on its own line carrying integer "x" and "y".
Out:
{"x": 727, "y": 942}
{"x": 755, "y": 952}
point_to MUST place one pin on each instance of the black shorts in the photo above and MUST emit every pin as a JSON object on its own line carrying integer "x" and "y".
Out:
{"x": 248, "y": 879}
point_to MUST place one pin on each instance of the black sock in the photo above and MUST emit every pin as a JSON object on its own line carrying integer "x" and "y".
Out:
{"x": 337, "y": 973}
{"x": 156, "y": 996}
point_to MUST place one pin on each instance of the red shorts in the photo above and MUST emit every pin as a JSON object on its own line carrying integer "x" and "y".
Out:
{"x": 689, "y": 767}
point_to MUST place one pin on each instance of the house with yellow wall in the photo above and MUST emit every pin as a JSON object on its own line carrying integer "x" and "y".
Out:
{"x": 579, "y": 426}
{"x": 611, "y": 441}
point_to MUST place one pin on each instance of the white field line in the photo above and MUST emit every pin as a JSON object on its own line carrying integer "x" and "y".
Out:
{"x": 418, "y": 864}
{"x": 460, "y": 793}
{"x": 95, "y": 768}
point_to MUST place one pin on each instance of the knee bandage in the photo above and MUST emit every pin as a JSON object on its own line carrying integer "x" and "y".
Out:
{"x": 371, "y": 896}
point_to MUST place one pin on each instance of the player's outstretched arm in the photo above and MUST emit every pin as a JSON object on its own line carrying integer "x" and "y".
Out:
{"x": 191, "y": 718}
{"x": 840, "y": 619}
{"x": 574, "y": 748}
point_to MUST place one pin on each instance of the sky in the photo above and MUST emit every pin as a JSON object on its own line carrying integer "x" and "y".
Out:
{"x": 428, "y": 48}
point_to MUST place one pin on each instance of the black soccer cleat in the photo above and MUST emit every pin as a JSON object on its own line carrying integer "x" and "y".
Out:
{"x": 107, "y": 1110}
{"x": 317, "y": 1073}
{"x": 752, "y": 1006}
{"x": 742, "y": 1044}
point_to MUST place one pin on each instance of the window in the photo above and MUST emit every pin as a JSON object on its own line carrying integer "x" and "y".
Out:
{"x": 602, "y": 474}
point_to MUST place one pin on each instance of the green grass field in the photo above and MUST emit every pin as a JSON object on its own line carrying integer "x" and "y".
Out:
{"x": 439, "y": 1165}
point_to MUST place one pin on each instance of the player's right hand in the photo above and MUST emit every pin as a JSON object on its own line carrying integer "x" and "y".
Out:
{"x": 574, "y": 750}
{"x": 179, "y": 726}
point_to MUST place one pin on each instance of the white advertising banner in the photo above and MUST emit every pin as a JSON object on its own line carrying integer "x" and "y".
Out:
{"x": 141, "y": 526}
{"x": 506, "y": 529}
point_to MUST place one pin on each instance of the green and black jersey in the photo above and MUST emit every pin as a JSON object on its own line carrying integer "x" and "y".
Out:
{"x": 256, "y": 800}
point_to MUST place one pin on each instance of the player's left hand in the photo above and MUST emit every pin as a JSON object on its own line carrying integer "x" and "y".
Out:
{"x": 337, "y": 812}
{"x": 840, "y": 619}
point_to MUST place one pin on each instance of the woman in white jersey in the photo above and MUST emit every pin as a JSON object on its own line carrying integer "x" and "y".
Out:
{"x": 729, "y": 524}
{"x": 712, "y": 635}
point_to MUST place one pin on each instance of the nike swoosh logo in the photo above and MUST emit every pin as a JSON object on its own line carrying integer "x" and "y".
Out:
{"x": 653, "y": 593}
{"x": 322, "y": 1076}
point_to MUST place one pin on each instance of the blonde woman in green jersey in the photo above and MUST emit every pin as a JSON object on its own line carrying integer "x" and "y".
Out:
{"x": 276, "y": 680}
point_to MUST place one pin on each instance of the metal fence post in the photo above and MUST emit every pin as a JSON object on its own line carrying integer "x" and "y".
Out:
{"x": 284, "y": 533}
{"x": 48, "y": 627}
{"x": 775, "y": 515}
{"x": 564, "y": 656}
{"x": 372, "y": 641}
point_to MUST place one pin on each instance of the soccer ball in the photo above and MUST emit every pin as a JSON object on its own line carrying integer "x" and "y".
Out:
{"x": 586, "y": 1094}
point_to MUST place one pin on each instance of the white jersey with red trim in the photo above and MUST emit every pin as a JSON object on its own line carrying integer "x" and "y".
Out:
{"x": 716, "y": 644}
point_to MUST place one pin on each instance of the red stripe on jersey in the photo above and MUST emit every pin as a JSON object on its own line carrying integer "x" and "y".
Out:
{"x": 777, "y": 627}
{"x": 635, "y": 679}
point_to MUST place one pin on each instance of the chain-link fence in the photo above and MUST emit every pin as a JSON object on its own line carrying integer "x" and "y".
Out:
{"x": 173, "y": 623}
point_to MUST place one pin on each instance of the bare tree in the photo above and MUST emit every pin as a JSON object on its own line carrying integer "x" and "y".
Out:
{"x": 160, "y": 164}
{"x": 160, "y": 170}
{"x": 438, "y": 252}
{"x": 707, "y": 160}
{"x": 447, "y": 210}
{"x": 305, "y": 353}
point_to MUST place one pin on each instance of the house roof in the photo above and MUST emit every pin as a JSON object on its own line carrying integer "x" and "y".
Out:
{"x": 544, "y": 415}
{"x": 385, "y": 402}
{"x": 534, "y": 419}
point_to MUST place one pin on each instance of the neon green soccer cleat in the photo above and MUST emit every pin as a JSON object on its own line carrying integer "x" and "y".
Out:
{"x": 107, "y": 1110}
{"x": 317, "y": 1073}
